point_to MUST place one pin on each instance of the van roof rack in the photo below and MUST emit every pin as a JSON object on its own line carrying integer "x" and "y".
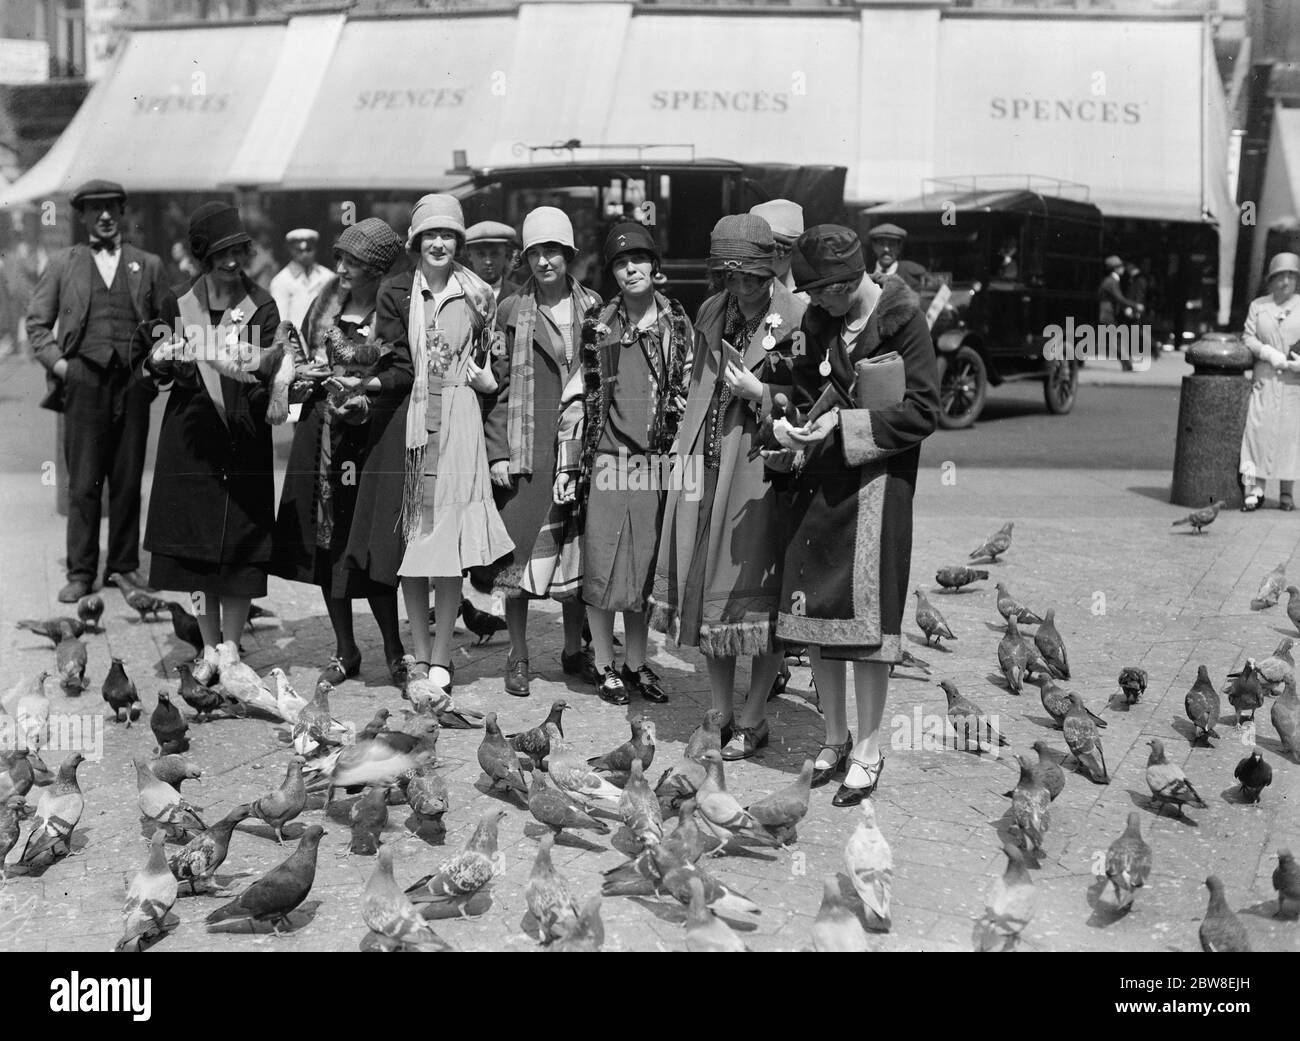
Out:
{"x": 933, "y": 188}
{"x": 577, "y": 151}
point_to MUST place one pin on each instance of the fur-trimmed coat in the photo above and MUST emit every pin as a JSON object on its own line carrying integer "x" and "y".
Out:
{"x": 847, "y": 565}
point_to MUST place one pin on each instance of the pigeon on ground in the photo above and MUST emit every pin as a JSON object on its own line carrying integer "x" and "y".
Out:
{"x": 548, "y": 895}
{"x": 482, "y": 624}
{"x": 1167, "y": 781}
{"x": 462, "y": 877}
{"x": 1128, "y": 862}
{"x": 1202, "y": 706}
{"x": 174, "y": 770}
{"x": 1245, "y": 693}
{"x": 58, "y": 811}
{"x": 1222, "y": 931}
{"x": 976, "y": 731}
{"x": 205, "y": 701}
{"x": 240, "y": 682}
{"x": 206, "y": 852}
{"x": 1254, "y": 775}
{"x": 552, "y": 807}
{"x": 837, "y": 929}
{"x": 1013, "y": 657}
{"x": 705, "y": 736}
{"x": 617, "y": 765}
{"x": 374, "y": 762}
{"x": 1293, "y": 605}
{"x": 908, "y": 660}
{"x": 995, "y": 545}
{"x": 16, "y": 774}
{"x": 1009, "y": 607}
{"x": 585, "y": 937}
{"x": 120, "y": 693}
{"x": 1285, "y": 716}
{"x": 29, "y": 705}
{"x": 1084, "y": 742}
{"x": 721, "y": 815}
{"x": 870, "y": 865}
{"x": 368, "y": 817}
{"x": 315, "y": 726}
{"x": 1047, "y": 772}
{"x": 1274, "y": 670}
{"x": 640, "y": 809}
{"x": 958, "y": 576}
{"x": 149, "y": 899}
{"x": 390, "y": 915}
{"x": 89, "y": 610}
{"x": 426, "y": 794}
{"x": 1009, "y": 906}
{"x": 499, "y": 761}
{"x": 377, "y": 724}
{"x": 169, "y": 726}
{"x": 53, "y": 629}
{"x": 1133, "y": 682}
{"x": 706, "y": 933}
{"x": 1271, "y": 589}
{"x": 1056, "y": 701}
{"x": 1029, "y": 807}
{"x": 1051, "y": 646}
{"x": 571, "y": 774}
{"x": 683, "y": 780}
{"x": 185, "y": 626}
{"x": 13, "y": 811}
{"x": 781, "y": 811}
{"x": 277, "y": 893}
{"x": 258, "y": 613}
{"x": 70, "y": 665}
{"x": 1286, "y": 881}
{"x": 535, "y": 743}
{"x": 144, "y": 604}
{"x": 930, "y": 621}
{"x": 289, "y": 704}
{"x": 283, "y": 804}
{"x": 1199, "y": 519}
{"x": 163, "y": 804}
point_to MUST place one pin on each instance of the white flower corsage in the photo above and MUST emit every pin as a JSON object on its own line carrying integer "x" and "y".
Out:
{"x": 364, "y": 331}
{"x": 133, "y": 267}
{"x": 237, "y": 315}
{"x": 773, "y": 322}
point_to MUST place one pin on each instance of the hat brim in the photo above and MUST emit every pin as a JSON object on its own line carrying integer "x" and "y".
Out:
{"x": 764, "y": 268}
{"x": 434, "y": 224}
{"x": 98, "y": 197}
{"x": 827, "y": 280}
{"x": 1283, "y": 271}
{"x": 239, "y": 238}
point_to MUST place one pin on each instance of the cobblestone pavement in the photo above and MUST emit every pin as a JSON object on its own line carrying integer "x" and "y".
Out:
{"x": 1096, "y": 545}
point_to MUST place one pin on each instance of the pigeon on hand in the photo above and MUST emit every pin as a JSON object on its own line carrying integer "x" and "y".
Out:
{"x": 278, "y": 807}
{"x": 277, "y": 893}
{"x": 186, "y": 626}
{"x": 1222, "y": 931}
{"x": 930, "y": 621}
{"x": 426, "y": 794}
{"x": 1274, "y": 670}
{"x": 1293, "y": 605}
{"x": 1245, "y": 693}
{"x": 174, "y": 770}
{"x": 1047, "y": 772}
{"x": 995, "y": 545}
{"x": 462, "y": 877}
{"x": 482, "y": 624}
{"x": 706, "y": 933}
{"x": 536, "y": 743}
{"x": 206, "y": 852}
{"x": 1285, "y": 716}
{"x": 1084, "y": 742}
{"x": 1202, "y": 706}
{"x": 120, "y": 693}
{"x": 389, "y": 914}
{"x": 1051, "y": 646}
{"x": 640, "y": 809}
{"x": 548, "y": 896}
{"x": 1029, "y": 807}
{"x": 149, "y": 899}
{"x": 1013, "y": 657}
{"x": 554, "y": 808}
{"x": 144, "y": 604}
{"x": 169, "y": 726}
{"x": 1009, "y": 607}
{"x": 53, "y": 629}
{"x": 585, "y": 937}
{"x": 958, "y": 576}
{"x": 781, "y": 811}
{"x": 70, "y": 664}
{"x": 58, "y": 811}
{"x": 89, "y": 609}
{"x": 1254, "y": 775}
{"x": 1199, "y": 519}
{"x": 639, "y": 748}
{"x": 1009, "y": 906}
{"x": 13, "y": 811}
{"x": 975, "y": 729}
{"x": 837, "y": 929}
{"x": 1128, "y": 862}
{"x": 204, "y": 700}
{"x": 368, "y": 817}
{"x": 1286, "y": 882}
{"x": 1167, "y": 781}
{"x": 1271, "y": 589}
{"x": 1133, "y": 682}
{"x": 870, "y": 865}
{"x": 720, "y": 814}
{"x": 574, "y": 777}
{"x": 163, "y": 804}
{"x": 499, "y": 761}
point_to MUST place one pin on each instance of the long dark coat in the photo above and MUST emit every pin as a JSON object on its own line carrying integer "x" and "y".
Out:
{"x": 844, "y": 586}
{"x": 213, "y": 498}
{"x": 365, "y": 521}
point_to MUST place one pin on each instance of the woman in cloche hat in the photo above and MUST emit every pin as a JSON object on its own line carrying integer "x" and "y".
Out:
{"x": 1270, "y": 445}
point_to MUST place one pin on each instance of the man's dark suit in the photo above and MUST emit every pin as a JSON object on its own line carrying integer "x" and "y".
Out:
{"x": 105, "y": 401}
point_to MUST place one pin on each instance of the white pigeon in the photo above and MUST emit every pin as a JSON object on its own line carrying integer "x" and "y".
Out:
{"x": 289, "y": 703}
{"x": 242, "y": 683}
{"x": 870, "y": 864}
{"x": 31, "y": 711}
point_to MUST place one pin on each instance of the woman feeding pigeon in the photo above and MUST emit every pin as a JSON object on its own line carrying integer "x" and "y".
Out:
{"x": 847, "y": 563}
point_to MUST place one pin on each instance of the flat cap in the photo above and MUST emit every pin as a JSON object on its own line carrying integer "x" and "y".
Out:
{"x": 886, "y": 231}
{"x": 491, "y": 231}
{"x": 98, "y": 190}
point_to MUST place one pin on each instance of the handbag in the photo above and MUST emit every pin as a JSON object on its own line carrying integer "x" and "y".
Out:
{"x": 880, "y": 382}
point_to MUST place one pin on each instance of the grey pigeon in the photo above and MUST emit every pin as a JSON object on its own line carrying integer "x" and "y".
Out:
{"x": 149, "y": 899}
{"x": 536, "y": 743}
{"x": 640, "y": 809}
{"x": 391, "y": 917}
{"x": 1293, "y": 605}
{"x": 930, "y": 621}
{"x": 706, "y": 933}
{"x": 1285, "y": 716}
{"x": 426, "y": 794}
{"x": 837, "y": 929}
{"x": 1274, "y": 670}
{"x": 1056, "y": 700}
{"x": 206, "y": 852}
{"x": 1222, "y": 931}
{"x": 498, "y": 759}
{"x": 585, "y": 937}
{"x": 277, "y": 893}
{"x": 1029, "y": 807}
{"x": 368, "y": 817}
{"x": 1271, "y": 589}
{"x": 1084, "y": 742}
{"x": 1202, "y": 706}
{"x": 169, "y": 726}
{"x": 1286, "y": 882}
{"x": 958, "y": 576}
{"x": 1254, "y": 775}
{"x": 89, "y": 609}
{"x": 1128, "y": 862}
{"x": 548, "y": 895}
{"x": 1009, "y": 906}
{"x": 58, "y": 811}
{"x": 1133, "y": 682}
{"x": 1009, "y": 607}
{"x": 1013, "y": 657}
{"x": 175, "y": 770}
{"x": 53, "y": 629}
{"x": 558, "y": 811}
{"x": 119, "y": 692}
{"x": 976, "y": 730}
{"x": 283, "y": 804}
{"x": 1199, "y": 519}
{"x": 1245, "y": 693}
{"x": 70, "y": 665}
{"x": 1051, "y": 646}
{"x": 995, "y": 545}
{"x": 461, "y": 878}
{"x": 13, "y": 811}
{"x": 617, "y": 765}
{"x": 1167, "y": 781}
{"x": 1046, "y": 771}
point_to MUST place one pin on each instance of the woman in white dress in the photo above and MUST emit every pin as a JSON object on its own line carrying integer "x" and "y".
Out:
{"x": 1270, "y": 447}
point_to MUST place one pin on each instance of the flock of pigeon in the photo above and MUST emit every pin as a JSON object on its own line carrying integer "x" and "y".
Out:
{"x": 1011, "y": 901}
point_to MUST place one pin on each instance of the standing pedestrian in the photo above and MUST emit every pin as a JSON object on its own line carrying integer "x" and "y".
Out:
{"x": 103, "y": 296}
{"x": 490, "y": 246}
{"x": 786, "y": 220}
{"x": 299, "y": 281}
{"x": 337, "y": 525}
{"x": 541, "y": 325}
{"x": 24, "y": 267}
{"x": 212, "y": 508}
{"x": 718, "y": 580}
{"x": 444, "y": 315}
{"x": 887, "y": 241}
{"x": 847, "y": 564}
{"x": 621, "y": 417}
{"x": 1270, "y": 445}
{"x": 1113, "y": 304}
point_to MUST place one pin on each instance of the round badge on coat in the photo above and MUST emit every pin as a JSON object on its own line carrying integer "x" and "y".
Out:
{"x": 769, "y": 342}
{"x": 825, "y": 367}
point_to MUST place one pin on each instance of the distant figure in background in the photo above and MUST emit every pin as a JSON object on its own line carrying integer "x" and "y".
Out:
{"x": 886, "y": 242}
{"x": 1270, "y": 446}
{"x": 491, "y": 247}
{"x": 1114, "y": 305}
{"x": 298, "y": 282}
{"x": 1007, "y": 268}
{"x": 261, "y": 264}
{"x": 183, "y": 267}
{"x": 24, "y": 266}
{"x": 786, "y": 220}
{"x": 99, "y": 294}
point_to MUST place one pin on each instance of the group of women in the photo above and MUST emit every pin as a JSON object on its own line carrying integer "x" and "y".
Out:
{"x": 444, "y": 435}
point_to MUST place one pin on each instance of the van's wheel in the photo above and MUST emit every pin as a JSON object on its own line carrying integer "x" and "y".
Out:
{"x": 963, "y": 383}
{"x": 1061, "y": 387}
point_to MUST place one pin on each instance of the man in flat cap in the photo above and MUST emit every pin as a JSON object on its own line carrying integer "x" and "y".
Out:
{"x": 887, "y": 244}
{"x": 105, "y": 296}
{"x": 491, "y": 247}
{"x": 298, "y": 282}
{"x": 1113, "y": 305}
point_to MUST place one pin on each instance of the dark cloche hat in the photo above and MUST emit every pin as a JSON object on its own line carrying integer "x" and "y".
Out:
{"x": 824, "y": 254}
{"x": 213, "y": 227}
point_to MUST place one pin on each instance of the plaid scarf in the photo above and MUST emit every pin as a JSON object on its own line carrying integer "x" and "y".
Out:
{"x": 519, "y": 407}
